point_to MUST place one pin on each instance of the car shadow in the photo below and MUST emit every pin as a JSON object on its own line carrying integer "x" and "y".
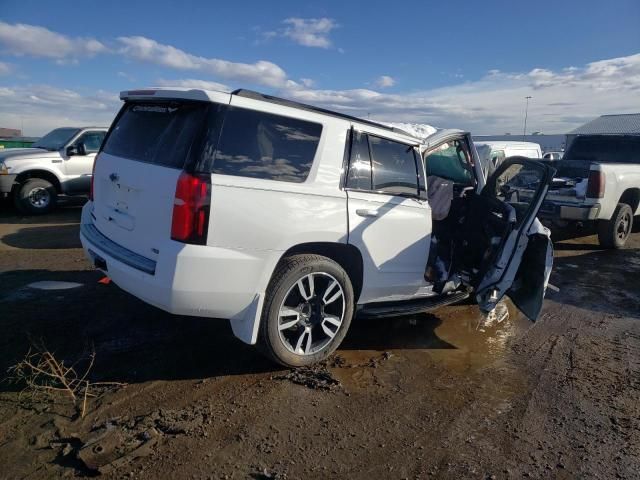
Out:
{"x": 407, "y": 332}
{"x": 67, "y": 212}
{"x": 135, "y": 342}
{"x": 45, "y": 237}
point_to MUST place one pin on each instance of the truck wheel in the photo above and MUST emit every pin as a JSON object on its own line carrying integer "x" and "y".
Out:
{"x": 307, "y": 311}
{"x": 614, "y": 233}
{"x": 35, "y": 196}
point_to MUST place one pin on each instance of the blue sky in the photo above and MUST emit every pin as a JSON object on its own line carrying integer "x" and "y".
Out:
{"x": 468, "y": 66}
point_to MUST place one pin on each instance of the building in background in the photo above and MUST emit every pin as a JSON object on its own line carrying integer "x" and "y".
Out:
{"x": 622, "y": 124}
{"x": 12, "y": 138}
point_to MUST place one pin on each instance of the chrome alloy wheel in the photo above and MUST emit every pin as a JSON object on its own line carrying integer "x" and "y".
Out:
{"x": 39, "y": 197}
{"x": 624, "y": 226}
{"x": 311, "y": 313}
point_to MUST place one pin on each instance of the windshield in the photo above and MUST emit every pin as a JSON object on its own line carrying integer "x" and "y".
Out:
{"x": 56, "y": 139}
{"x": 605, "y": 148}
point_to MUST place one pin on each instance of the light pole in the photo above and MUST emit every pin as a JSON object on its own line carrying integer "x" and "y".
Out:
{"x": 526, "y": 111}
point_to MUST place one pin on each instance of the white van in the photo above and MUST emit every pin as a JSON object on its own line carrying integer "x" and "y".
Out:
{"x": 493, "y": 153}
{"x": 289, "y": 219}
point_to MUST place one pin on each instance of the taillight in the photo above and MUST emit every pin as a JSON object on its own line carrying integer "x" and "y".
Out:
{"x": 93, "y": 173}
{"x": 595, "y": 185}
{"x": 191, "y": 209}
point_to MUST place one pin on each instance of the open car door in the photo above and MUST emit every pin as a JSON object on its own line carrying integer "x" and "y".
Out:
{"x": 499, "y": 247}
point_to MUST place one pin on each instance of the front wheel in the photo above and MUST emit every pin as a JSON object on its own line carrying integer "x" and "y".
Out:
{"x": 614, "y": 233}
{"x": 307, "y": 311}
{"x": 35, "y": 196}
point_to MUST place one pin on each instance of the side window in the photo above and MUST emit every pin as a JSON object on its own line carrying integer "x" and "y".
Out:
{"x": 394, "y": 167}
{"x": 450, "y": 161}
{"x": 359, "y": 176}
{"x": 262, "y": 145}
{"x": 91, "y": 140}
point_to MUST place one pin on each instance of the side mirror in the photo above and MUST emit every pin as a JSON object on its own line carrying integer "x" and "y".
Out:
{"x": 81, "y": 149}
{"x": 77, "y": 149}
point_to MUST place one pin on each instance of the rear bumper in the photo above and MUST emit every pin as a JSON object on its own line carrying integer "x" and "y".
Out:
{"x": 554, "y": 210}
{"x": 185, "y": 279}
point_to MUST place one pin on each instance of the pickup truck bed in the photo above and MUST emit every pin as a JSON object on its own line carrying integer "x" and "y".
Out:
{"x": 598, "y": 181}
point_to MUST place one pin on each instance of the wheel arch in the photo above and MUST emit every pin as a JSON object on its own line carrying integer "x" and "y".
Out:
{"x": 43, "y": 174}
{"x": 631, "y": 196}
{"x": 346, "y": 255}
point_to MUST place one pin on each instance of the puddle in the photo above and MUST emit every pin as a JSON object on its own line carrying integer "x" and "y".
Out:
{"x": 53, "y": 285}
{"x": 456, "y": 337}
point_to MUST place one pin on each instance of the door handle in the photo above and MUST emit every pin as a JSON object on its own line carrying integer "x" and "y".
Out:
{"x": 365, "y": 212}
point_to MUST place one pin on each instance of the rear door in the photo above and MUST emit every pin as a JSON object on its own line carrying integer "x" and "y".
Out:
{"x": 497, "y": 227}
{"x": 389, "y": 217}
{"x": 138, "y": 168}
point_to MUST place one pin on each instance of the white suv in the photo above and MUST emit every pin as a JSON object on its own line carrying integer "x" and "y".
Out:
{"x": 289, "y": 219}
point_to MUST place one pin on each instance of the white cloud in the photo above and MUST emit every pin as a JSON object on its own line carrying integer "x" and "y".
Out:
{"x": 21, "y": 39}
{"x": 5, "y": 69}
{"x": 309, "y": 32}
{"x": 307, "y": 82}
{"x": 148, "y": 50}
{"x": 41, "y": 108}
{"x": 494, "y": 104}
{"x": 194, "y": 83}
{"x": 385, "y": 81}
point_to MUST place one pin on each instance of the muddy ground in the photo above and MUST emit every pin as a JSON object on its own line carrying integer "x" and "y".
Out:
{"x": 430, "y": 396}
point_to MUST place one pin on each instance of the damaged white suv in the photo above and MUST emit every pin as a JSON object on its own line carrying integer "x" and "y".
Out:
{"x": 289, "y": 219}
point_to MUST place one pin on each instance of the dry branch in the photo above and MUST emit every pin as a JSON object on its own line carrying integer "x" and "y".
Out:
{"x": 42, "y": 373}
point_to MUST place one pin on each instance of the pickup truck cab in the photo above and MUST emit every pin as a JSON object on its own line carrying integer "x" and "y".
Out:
{"x": 289, "y": 219}
{"x": 597, "y": 182}
{"x": 61, "y": 162}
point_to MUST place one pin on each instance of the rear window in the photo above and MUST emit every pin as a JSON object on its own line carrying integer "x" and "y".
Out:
{"x": 156, "y": 133}
{"x": 605, "y": 148}
{"x": 266, "y": 146}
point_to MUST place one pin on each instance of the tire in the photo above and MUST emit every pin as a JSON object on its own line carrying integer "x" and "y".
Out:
{"x": 36, "y": 196}
{"x": 315, "y": 320}
{"x": 614, "y": 233}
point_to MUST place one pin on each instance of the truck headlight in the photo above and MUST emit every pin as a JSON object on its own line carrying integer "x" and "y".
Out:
{"x": 3, "y": 169}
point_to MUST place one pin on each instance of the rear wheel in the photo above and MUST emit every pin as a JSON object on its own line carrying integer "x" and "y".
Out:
{"x": 307, "y": 311}
{"x": 614, "y": 233}
{"x": 35, "y": 196}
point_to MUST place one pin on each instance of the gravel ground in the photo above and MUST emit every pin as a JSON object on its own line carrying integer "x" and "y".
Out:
{"x": 438, "y": 395}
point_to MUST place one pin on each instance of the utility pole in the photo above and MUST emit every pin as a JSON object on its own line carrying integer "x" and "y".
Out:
{"x": 526, "y": 111}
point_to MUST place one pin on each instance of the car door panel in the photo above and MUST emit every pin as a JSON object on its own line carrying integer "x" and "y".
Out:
{"x": 393, "y": 235}
{"x": 389, "y": 220}
{"x": 495, "y": 232}
{"x": 78, "y": 168}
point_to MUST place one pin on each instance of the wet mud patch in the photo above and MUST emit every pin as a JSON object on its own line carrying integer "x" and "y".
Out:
{"x": 315, "y": 377}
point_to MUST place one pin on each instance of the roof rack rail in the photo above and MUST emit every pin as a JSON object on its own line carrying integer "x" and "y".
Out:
{"x": 241, "y": 92}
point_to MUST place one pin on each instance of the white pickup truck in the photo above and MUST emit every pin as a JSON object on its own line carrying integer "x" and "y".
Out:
{"x": 597, "y": 181}
{"x": 61, "y": 162}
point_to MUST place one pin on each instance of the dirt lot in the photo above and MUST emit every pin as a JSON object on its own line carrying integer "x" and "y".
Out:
{"x": 435, "y": 395}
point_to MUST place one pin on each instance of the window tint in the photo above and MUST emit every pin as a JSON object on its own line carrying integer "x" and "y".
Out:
{"x": 605, "y": 148}
{"x": 359, "y": 176}
{"x": 450, "y": 160}
{"x": 394, "y": 167}
{"x": 263, "y": 145}
{"x": 156, "y": 133}
{"x": 91, "y": 140}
